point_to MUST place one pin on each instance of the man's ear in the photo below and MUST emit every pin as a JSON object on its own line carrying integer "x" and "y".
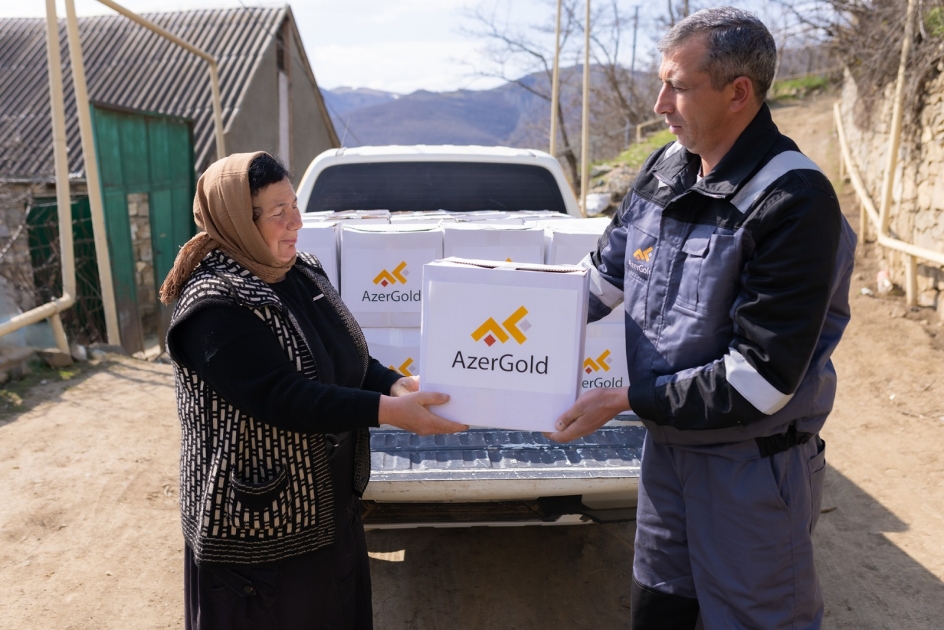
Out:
{"x": 743, "y": 94}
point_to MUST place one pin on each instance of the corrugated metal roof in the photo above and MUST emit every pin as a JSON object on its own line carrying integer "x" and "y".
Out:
{"x": 128, "y": 66}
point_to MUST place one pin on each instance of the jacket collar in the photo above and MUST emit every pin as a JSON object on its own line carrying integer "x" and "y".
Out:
{"x": 680, "y": 169}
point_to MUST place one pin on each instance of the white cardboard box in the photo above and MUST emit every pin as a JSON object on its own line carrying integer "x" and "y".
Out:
{"x": 382, "y": 271}
{"x": 397, "y": 348}
{"x": 604, "y": 363}
{"x": 489, "y": 216}
{"x": 505, "y": 341}
{"x": 568, "y": 242}
{"x": 510, "y": 243}
{"x": 421, "y": 217}
{"x": 321, "y": 239}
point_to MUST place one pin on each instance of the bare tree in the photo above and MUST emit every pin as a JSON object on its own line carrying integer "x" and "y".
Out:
{"x": 623, "y": 96}
{"x": 676, "y": 11}
{"x": 520, "y": 53}
{"x": 867, "y": 37}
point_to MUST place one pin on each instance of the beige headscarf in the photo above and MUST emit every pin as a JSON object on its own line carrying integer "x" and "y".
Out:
{"x": 222, "y": 209}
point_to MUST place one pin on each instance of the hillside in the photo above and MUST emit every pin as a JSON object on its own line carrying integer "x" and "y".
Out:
{"x": 508, "y": 115}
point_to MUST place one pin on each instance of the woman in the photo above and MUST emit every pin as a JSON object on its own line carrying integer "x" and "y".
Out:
{"x": 275, "y": 392}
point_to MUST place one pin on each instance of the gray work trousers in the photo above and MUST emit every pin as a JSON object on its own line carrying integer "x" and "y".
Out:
{"x": 725, "y": 534}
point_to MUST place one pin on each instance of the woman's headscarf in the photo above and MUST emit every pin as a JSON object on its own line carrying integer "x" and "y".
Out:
{"x": 222, "y": 209}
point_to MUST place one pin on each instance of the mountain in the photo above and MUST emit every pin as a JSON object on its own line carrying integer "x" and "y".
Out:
{"x": 342, "y": 100}
{"x": 508, "y": 115}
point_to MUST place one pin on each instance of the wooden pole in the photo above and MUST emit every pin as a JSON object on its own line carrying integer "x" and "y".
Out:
{"x": 585, "y": 128}
{"x": 891, "y": 164}
{"x": 91, "y": 177}
{"x": 555, "y": 84}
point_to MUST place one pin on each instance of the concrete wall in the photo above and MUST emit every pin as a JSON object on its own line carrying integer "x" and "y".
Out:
{"x": 256, "y": 125}
{"x": 310, "y": 135}
{"x": 917, "y": 210}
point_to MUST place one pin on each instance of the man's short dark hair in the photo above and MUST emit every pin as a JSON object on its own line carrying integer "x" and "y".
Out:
{"x": 264, "y": 170}
{"x": 738, "y": 45}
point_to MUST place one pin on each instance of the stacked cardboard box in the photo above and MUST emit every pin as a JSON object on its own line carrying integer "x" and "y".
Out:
{"x": 321, "y": 239}
{"x": 397, "y": 348}
{"x": 381, "y": 271}
{"x": 440, "y": 216}
{"x": 489, "y": 241}
{"x": 604, "y": 364}
{"x": 489, "y": 216}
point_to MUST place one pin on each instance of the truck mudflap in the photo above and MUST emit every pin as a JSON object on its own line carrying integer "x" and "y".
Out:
{"x": 495, "y": 476}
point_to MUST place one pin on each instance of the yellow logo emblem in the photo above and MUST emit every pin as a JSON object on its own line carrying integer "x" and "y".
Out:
{"x": 404, "y": 368}
{"x": 642, "y": 254}
{"x": 399, "y": 274}
{"x": 512, "y": 328}
{"x": 602, "y": 362}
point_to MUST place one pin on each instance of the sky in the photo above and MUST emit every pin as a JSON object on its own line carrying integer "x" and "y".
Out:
{"x": 391, "y": 45}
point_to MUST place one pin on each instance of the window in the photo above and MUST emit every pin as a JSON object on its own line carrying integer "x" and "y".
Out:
{"x": 455, "y": 186}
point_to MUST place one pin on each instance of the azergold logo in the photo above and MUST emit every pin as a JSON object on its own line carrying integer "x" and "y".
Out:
{"x": 513, "y": 327}
{"x": 640, "y": 254}
{"x": 404, "y": 368}
{"x": 602, "y": 362}
{"x": 399, "y": 274}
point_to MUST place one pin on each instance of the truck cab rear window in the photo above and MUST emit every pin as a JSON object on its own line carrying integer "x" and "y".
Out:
{"x": 455, "y": 186}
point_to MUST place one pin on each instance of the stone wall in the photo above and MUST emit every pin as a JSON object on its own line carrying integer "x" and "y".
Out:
{"x": 917, "y": 209}
{"x": 15, "y": 265}
{"x": 139, "y": 216}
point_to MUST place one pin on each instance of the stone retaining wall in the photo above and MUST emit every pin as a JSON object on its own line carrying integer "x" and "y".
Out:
{"x": 917, "y": 209}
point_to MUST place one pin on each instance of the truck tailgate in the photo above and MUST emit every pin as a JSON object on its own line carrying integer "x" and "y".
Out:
{"x": 506, "y": 468}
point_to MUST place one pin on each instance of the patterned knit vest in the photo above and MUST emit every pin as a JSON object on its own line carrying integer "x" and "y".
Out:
{"x": 250, "y": 492}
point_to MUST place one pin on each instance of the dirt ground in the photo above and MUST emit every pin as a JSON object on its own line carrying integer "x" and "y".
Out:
{"x": 89, "y": 533}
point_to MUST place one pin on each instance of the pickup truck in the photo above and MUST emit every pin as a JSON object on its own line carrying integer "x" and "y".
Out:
{"x": 482, "y": 476}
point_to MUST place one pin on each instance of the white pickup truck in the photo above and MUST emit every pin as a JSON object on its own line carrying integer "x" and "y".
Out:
{"x": 482, "y": 476}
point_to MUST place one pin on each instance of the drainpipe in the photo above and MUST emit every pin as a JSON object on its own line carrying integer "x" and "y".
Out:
{"x": 211, "y": 61}
{"x": 52, "y": 309}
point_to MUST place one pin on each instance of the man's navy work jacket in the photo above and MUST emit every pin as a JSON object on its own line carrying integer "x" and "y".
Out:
{"x": 735, "y": 289}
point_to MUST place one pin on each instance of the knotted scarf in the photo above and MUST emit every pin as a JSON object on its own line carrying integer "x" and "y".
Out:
{"x": 222, "y": 209}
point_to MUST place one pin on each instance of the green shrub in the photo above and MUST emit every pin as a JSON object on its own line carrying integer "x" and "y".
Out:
{"x": 798, "y": 88}
{"x": 934, "y": 22}
{"x": 636, "y": 154}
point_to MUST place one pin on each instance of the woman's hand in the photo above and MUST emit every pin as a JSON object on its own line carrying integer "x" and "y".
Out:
{"x": 405, "y": 385}
{"x": 409, "y": 411}
{"x": 590, "y": 412}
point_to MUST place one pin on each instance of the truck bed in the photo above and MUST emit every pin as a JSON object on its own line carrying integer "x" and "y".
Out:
{"x": 502, "y": 476}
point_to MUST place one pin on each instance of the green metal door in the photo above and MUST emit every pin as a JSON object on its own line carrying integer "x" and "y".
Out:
{"x": 142, "y": 152}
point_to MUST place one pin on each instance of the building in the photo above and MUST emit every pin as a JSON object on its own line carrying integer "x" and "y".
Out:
{"x": 270, "y": 101}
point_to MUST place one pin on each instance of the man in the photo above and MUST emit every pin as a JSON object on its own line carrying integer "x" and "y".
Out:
{"x": 733, "y": 261}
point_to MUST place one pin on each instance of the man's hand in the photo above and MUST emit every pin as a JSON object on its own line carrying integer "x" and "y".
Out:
{"x": 590, "y": 412}
{"x": 405, "y": 385}
{"x": 409, "y": 411}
